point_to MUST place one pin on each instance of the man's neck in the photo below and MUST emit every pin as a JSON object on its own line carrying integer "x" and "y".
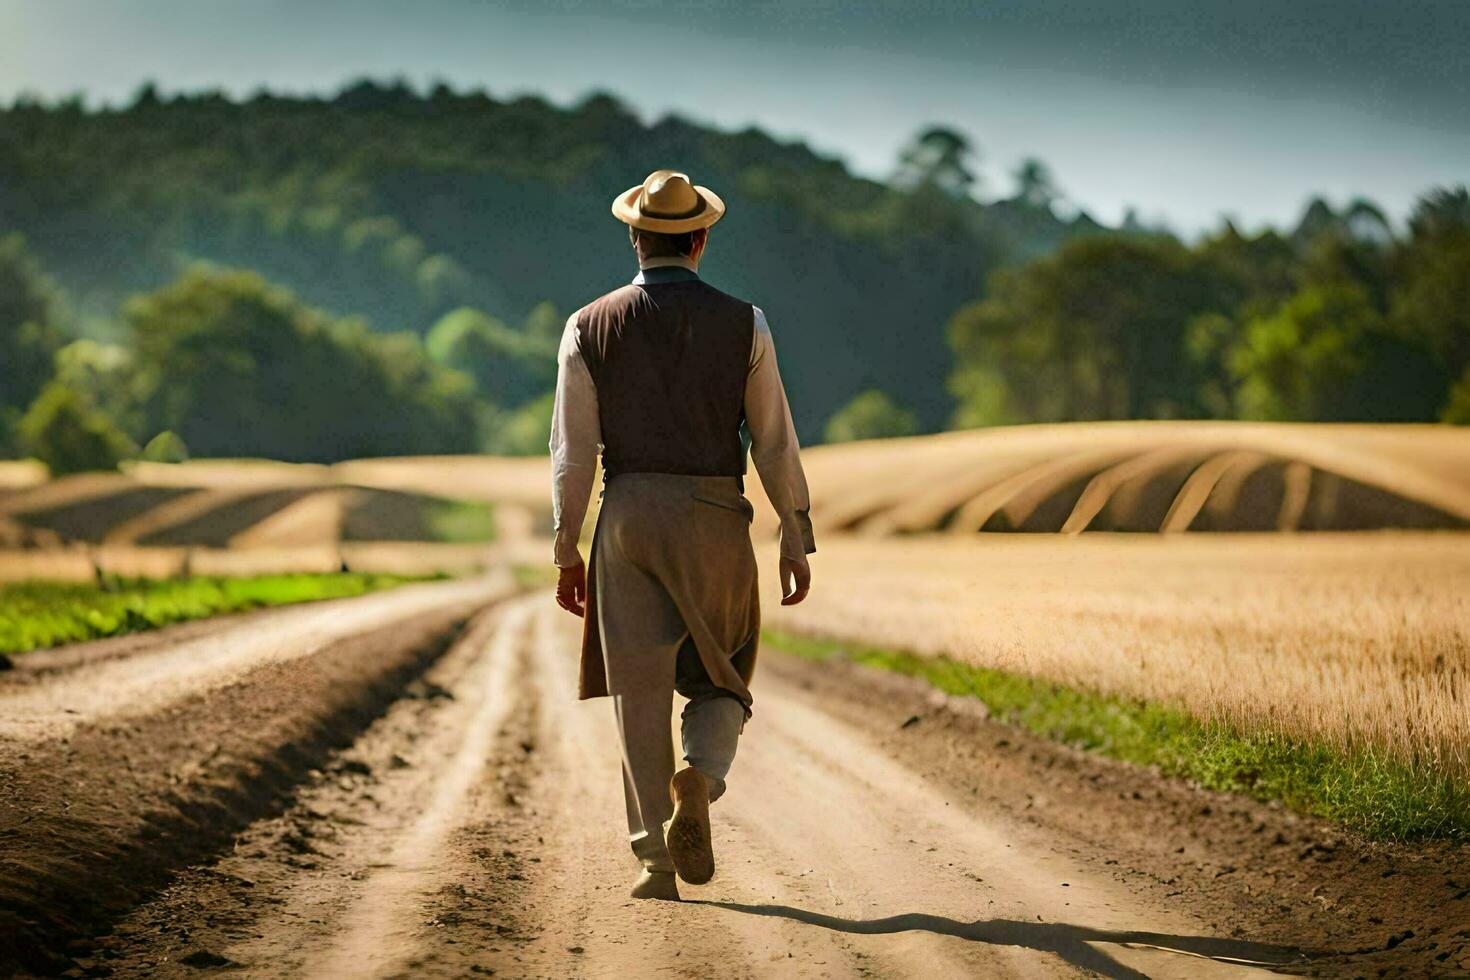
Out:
{"x": 682, "y": 261}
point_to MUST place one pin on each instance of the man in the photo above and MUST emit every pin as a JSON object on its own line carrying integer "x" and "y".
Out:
{"x": 659, "y": 376}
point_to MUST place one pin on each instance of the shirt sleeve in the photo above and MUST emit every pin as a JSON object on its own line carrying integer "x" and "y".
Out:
{"x": 576, "y": 440}
{"x": 773, "y": 446}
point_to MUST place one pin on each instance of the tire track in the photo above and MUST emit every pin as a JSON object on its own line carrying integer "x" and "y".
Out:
{"x": 344, "y": 884}
{"x": 483, "y": 832}
{"x": 381, "y": 930}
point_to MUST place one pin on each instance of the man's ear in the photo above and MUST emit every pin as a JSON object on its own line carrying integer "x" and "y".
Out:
{"x": 701, "y": 239}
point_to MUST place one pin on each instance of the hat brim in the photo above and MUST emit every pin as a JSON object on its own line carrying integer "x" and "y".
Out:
{"x": 625, "y": 209}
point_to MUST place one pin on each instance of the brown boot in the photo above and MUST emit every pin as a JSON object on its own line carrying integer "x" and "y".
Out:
{"x": 687, "y": 833}
{"x": 656, "y": 884}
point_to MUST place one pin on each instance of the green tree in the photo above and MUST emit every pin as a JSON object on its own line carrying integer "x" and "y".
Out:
{"x": 1430, "y": 301}
{"x": 941, "y": 158}
{"x": 1327, "y": 355}
{"x": 1209, "y": 340}
{"x": 70, "y": 436}
{"x": 1367, "y": 223}
{"x": 1457, "y": 410}
{"x": 146, "y": 97}
{"x": 235, "y": 366}
{"x": 377, "y": 200}
{"x": 1249, "y": 278}
{"x": 510, "y": 367}
{"x": 1443, "y": 212}
{"x": 29, "y": 331}
{"x": 1097, "y": 330}
{"x": 544, "y": 325}
{"x": 524, "y": 431}
{"x": 104, "y": 376}
{"x": 872, "y": 414}
{"x": 1035, "y": 184}
{"x": 166, "y": 447}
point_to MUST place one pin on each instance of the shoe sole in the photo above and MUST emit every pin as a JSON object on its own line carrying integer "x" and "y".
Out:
{"x": 687, "y": 835}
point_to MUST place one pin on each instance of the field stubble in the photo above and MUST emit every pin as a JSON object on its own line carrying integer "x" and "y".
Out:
{"x": 1360, "y": 642}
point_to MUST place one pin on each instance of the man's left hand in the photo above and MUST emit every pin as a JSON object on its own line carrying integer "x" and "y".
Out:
{"x": 798, "y": 574}
{"x": 571, "y": 589}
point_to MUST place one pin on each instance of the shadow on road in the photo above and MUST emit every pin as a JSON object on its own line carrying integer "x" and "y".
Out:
{"x": 1070, "y": 942}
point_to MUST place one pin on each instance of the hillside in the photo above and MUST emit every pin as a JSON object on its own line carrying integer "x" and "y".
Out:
{"x": 401, "y": 207}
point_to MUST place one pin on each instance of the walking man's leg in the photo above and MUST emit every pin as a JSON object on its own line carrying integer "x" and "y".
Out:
{"x": 711, "y": 725}
{"x": 648, "y": 765}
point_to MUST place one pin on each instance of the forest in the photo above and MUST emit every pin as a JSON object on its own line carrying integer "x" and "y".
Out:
{"x": 386, "y": 271}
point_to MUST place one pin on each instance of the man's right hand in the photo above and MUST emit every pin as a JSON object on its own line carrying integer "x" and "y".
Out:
{"x": 571, "y": 589}
{"x": 798, "y": 571}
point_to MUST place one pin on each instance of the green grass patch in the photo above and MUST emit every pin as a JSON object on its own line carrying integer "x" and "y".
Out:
{"x": 44, "y": 614}
{"x": 1381, "y": 798}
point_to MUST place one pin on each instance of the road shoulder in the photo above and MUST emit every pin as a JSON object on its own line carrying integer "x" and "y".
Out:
{"x": 1251, "y": 870}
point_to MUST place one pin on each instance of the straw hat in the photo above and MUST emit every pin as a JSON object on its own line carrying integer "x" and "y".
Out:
{"x": 667, "y": 202}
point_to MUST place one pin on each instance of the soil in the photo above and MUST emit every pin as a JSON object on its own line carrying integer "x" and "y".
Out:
{"x": 431, "y": 800}
{"x": 140, "y": 759}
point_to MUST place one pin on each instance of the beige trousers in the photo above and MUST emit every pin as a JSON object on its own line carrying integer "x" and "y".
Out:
{"x": 678, "y": 610}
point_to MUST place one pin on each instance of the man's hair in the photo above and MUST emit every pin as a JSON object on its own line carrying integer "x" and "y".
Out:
{"x": 658, "y": 245}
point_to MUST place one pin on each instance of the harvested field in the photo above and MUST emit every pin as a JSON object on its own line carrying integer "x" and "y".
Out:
{"x": 1338, "y": 637}
{"x": 518, "y": 480}
{"x": 53, "y": 494}
{"x": 1147, "y": 476}
{"x": 236, "y": 517}
{"x": 216, "y": 526}
{"x": 91, "y": 519}
{"x": 1100, "y": 476}
{"x": 18, "y": 474}
{"x": 1096, "y": 476}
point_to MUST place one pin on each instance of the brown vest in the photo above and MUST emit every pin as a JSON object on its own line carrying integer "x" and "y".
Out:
{"x": 669, "y": 360}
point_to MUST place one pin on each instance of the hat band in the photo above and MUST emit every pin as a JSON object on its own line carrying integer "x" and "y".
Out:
{"x": 665, "y": 216}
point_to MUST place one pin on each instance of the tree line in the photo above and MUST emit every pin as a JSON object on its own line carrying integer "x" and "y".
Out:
{"x": 386, "y": 271}
{"x": 1344, "y": 320}
{"x": 403, "y": 205}
{"x": 223, "y": 363}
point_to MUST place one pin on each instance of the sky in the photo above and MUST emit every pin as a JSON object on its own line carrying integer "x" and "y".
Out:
{"x": 1187, "y": 110}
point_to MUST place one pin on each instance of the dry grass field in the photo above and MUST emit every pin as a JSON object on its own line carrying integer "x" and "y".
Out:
{"x": 1100, "y": 476}
{"x": 1147, "y": 476}
{"x": 1103, "y": 476}
{"x": 235, "y": 517}
{"x": 1352, "y": 639}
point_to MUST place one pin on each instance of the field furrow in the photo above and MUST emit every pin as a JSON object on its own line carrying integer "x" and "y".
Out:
{"x": 118, "y": 770}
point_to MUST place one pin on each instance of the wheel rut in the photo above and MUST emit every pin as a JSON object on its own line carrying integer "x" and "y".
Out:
{"x": 477, "y": 828}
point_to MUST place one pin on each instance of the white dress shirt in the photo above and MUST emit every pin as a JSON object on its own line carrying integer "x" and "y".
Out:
{"x": 576, "y": 440}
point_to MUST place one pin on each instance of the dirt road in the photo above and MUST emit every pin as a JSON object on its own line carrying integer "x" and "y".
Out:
{"x": 476, "y": 827}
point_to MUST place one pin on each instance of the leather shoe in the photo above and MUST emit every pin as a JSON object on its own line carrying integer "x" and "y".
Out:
{"x": 687, "y": 833}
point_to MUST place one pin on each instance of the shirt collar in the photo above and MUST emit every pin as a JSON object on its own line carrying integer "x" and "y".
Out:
{"x": 668, "y": 268}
